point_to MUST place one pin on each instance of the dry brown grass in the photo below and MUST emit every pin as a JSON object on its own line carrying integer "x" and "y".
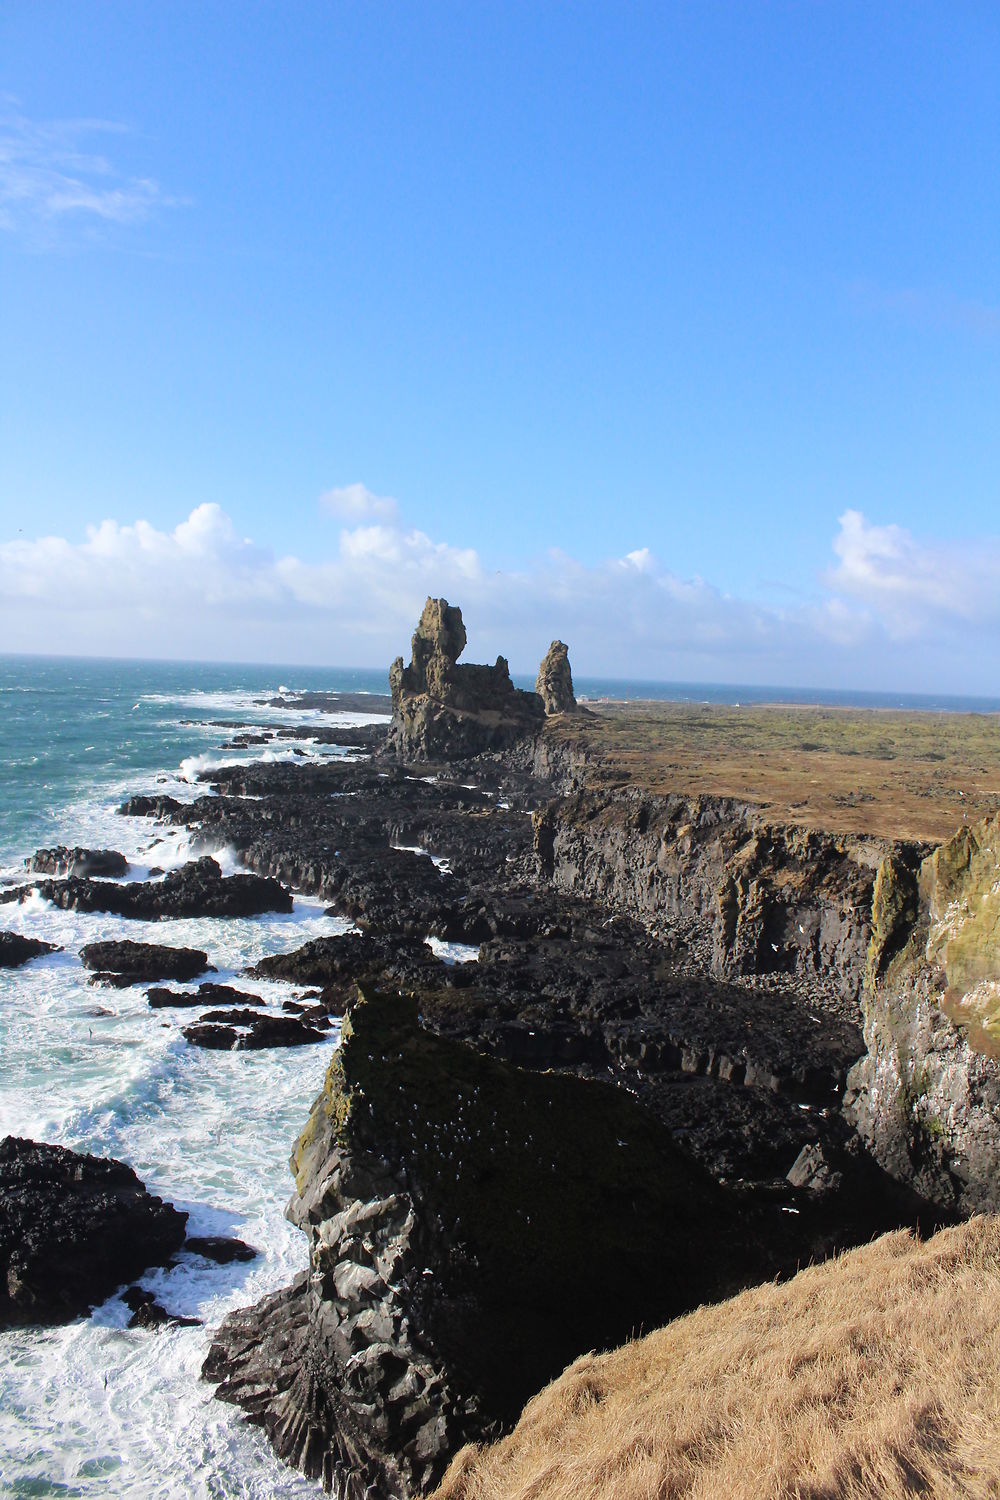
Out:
{"x": 875, "y": 1374}
{"x": 894, "y": 774}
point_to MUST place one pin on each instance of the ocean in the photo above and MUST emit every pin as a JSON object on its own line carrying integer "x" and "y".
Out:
{"x": 94, "y": 1408}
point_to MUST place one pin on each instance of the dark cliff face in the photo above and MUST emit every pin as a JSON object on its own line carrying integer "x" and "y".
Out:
{"x": 472, "y": 1228}
{"x": 744, "y": 898}
{"x": 440, "y": 708}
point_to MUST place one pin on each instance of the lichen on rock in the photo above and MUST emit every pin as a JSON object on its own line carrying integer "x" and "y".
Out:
{"x": 554, "y": 684}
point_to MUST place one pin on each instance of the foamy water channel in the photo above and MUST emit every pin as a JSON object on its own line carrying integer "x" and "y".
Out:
{"x": 94, "y": 1408}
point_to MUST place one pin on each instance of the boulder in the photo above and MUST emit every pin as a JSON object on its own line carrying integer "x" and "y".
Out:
{"x": 72, "y": 1228}
{"x": 134, "y": 962}
{"x": 15, "y": 949}
{"x": 554, "y": 684}
{"x": 104, "y": 863}
{"x": 443, "y": 710}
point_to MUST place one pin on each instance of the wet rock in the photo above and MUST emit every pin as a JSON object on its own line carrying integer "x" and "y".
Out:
{"x": 72, "y": 1228}
{"x": 125, "y": 962}
{"x": 15, "y": 949}
{"x": 249, "y": 1031}
{"x": 204, "y": 995}
{"x": 103, "y": 863}
{"x": 148, "y": 1314}
{"x": 221, "y": 1248}
{"x": 215, "y": 1038}
{"x": 198, "y": 889}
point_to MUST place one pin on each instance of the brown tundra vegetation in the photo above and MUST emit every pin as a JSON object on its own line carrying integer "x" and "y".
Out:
{"x": 874, "y": 1374}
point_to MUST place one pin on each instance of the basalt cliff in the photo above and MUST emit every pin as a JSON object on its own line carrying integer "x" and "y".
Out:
{"x": 632, "y": 1102}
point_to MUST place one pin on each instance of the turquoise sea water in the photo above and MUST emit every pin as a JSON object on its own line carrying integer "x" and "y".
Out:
{"x": 94, "y": 1409}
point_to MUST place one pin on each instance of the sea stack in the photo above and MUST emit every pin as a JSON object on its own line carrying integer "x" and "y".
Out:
{"x": 554, "y": 684}
{"x": 441, "y": 709}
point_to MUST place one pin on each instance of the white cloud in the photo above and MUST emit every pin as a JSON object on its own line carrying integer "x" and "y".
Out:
{"x": 912, "y": 586}
{"x": 49, "y": 179}
{"x": 355, "y": 502}
{"x": 891, "y": 617}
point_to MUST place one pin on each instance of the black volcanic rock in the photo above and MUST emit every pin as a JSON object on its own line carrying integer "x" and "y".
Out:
{"x": 472, "y": 1228}
{"x": 221, "y": 1248}
{"x": 103, "y": 863}
{"x": 72, "y": 1228}
{"x": 133, "y": 962}
{"x": 15, "y": 949}
{"x": 198, "y": 889}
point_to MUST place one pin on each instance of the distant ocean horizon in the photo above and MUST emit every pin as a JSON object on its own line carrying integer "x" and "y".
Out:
{"x": 262, "y": 676}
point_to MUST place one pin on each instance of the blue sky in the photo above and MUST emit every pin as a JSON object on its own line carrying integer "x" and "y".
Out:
{"x": 670, "y": 329}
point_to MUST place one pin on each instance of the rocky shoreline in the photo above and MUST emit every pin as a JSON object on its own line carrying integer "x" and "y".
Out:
{"x": 687, "y": 1051}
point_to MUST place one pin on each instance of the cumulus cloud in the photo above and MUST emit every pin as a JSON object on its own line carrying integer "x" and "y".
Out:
{"x": 51, "y": 175}
{"x": 355, "y": 502}
{"x": 202, "y": 590}
{"x": 911, "y": 585}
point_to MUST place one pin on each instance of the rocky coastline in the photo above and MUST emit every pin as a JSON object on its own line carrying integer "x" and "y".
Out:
{"x": 685, "y": 1049}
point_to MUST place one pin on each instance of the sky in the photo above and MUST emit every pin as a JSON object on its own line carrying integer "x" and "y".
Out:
{"x": 669, "y": 329}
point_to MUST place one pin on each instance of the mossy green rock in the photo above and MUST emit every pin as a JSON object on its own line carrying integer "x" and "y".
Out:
{"x": 895, "y": 906}
{"x": 960, "y": 883}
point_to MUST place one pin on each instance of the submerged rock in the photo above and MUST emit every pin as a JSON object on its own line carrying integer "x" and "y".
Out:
{"x": 15, "y": 949}
{"x": 442, "y": 709}
{"x": 72, "y": 1228}
{"x": 126, "y": 962}
{"x": 471, "y": 1229}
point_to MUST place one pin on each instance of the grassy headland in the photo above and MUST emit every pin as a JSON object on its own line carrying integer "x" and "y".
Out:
{"x": 891, "y": 773}
{"x": 876, "y": 1374}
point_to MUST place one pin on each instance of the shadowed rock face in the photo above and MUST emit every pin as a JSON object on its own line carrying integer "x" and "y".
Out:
{"x": 442, "y": 709}
{"x": 472, "y": 1227}
{"x": 554, "y": 684}
{"x": 72, "y": 1228}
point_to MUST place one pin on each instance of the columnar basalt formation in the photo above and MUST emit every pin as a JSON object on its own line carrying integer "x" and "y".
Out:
{"x": 440, "y": 708}
{"x": 471, "y": 1228}
{"x": 554, "y": 684}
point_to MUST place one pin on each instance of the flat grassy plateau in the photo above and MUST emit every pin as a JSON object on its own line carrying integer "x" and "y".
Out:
{"x": 890, "y": 773}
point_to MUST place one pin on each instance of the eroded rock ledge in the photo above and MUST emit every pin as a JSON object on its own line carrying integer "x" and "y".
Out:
{"x": 472, "y": 1227}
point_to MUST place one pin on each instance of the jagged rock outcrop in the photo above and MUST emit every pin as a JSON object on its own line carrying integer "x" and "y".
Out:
{"x": 197, "y": 889}
{"x": 554, "y": 684}
{"x": 926, "y": 1095}
{"x": 103, "y": 863}
{"x": 471, "y": 1228}
{"x": 441, "y": 709}
{"x": 121, "y": 963}
{"x": 72, "y": 1228}
{"x": 16, "y": 949}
